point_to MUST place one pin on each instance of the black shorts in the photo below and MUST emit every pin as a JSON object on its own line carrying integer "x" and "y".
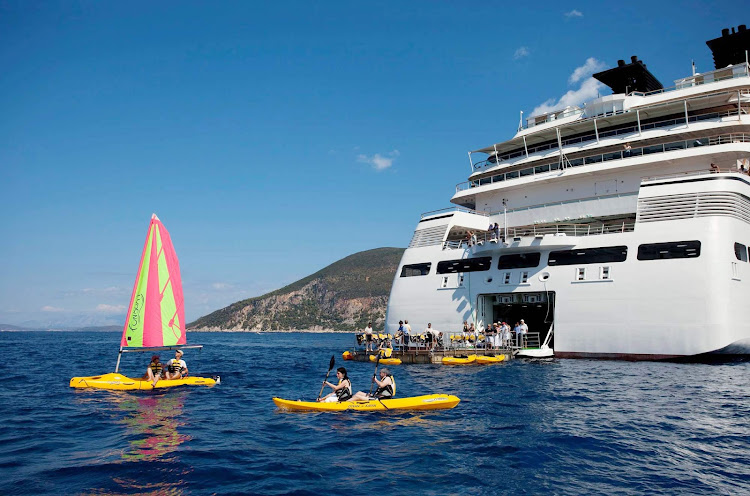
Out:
{"x": 368, "y": 337}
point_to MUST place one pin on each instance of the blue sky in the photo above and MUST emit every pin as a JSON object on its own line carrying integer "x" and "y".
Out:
{"x": 273, "y": 138}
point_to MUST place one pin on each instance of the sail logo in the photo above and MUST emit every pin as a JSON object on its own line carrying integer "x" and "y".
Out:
{"x": 135, "y": 316}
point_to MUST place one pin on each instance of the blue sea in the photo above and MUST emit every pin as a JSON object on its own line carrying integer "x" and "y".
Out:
{"x": 558, "y": 427}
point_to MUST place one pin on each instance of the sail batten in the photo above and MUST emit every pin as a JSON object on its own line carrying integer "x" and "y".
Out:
{"x": 156, "y": 316}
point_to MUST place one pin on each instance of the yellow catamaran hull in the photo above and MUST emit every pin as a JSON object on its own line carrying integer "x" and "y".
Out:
{"x": 426, "y": 402}
{"x": 122, "y": 383}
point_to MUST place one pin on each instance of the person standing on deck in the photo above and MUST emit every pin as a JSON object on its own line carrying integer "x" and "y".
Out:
{"x": 368, "y": 336}
{"x": 407, "y": 332}
{"x": 524, "y": 332}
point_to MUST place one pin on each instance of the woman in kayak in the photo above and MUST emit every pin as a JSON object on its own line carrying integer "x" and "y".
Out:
{"x": 154, "y": 370}
{"x": 386, "y": 388}
{"x": 341, "y": 391}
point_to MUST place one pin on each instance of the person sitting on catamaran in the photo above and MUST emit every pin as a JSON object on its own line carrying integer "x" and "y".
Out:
{"x": 154, "y": 370}
{"x": 341, "y": 391}
{"x": 386, "y": 388}
{"x": 176, "y": 367}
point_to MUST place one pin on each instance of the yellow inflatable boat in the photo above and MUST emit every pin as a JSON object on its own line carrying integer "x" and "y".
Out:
{"x": 426, "y": 402}
{"x": 120, "y": 382}
{"x": 459, "y": 360}
{"x": 486, "y": 359}
{"x": 387, "y": 361}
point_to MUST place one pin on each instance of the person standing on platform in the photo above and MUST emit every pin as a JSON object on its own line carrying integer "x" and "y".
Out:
{"x": 368, "y": 336}
{"x": 524, "y": 332}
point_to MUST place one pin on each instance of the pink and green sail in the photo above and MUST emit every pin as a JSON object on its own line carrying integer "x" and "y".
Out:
{"x": 156, "y": 316}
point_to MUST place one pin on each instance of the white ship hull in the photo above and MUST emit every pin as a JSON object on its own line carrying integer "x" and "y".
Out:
{"x": 685, "y": 295}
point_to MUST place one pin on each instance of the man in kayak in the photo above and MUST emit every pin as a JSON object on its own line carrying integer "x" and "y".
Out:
{"x": 176, "y": 367}
{"x": 386, "y": 388}
{"x": 154, "y": 370}
{"x": 341, "y": 391}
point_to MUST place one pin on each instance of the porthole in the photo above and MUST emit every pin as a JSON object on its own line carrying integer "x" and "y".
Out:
{"x": 544, "y": 276}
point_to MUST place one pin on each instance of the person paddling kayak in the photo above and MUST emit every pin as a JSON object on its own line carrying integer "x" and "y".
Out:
{"x": 386, "y": 388}
{"x": 341, "y": 391}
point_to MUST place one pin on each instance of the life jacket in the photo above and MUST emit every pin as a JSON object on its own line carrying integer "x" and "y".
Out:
{"x": 174, "y": 366}
{"x": 156, "y": 367}
{"x": 387, "y": 391}
{"x": 386, "y": 352}
{"x": 344, "y": 393}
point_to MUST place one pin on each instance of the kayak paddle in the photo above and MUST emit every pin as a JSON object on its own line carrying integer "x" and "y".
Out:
{"x": 330, "y": 367}
{"x": 377, "y": 360}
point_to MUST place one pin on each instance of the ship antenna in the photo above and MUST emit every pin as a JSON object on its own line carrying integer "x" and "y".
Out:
{"x": 520, "y": 120}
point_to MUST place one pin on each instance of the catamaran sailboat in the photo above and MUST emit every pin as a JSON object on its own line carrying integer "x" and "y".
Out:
{"x": 624, "y": 223}
{"x": 156, "y": 316}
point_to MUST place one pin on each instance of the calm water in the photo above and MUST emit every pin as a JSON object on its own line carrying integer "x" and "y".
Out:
{"x": 562, "y": 427}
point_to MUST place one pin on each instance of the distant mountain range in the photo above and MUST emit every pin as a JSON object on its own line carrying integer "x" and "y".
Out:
{"x": 10, "y": 327}
{"x": 344, "y": 296}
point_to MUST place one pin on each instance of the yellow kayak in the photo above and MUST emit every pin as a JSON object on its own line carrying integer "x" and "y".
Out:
{"x": 459, "y": 360}
{"x": 426, "y": 402}
{"x": 484, "y": 359}
{"x": 122, "y": 383}
{"x": 387, "y": 361}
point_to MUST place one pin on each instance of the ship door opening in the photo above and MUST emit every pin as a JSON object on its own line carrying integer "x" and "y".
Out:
{"x": 537, "y": 309}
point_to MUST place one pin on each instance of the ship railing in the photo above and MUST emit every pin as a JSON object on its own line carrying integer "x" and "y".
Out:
{"x": 489, "y": 238}
{"x": 630, "y": 130}
{"x": 432, "y": 213}
{"x": 724, "y": 74}
{"x": 606, "y": 157}
{"x": 702, "y": 172}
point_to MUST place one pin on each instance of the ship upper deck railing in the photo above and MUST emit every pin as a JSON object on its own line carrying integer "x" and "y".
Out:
{"x": 702, "y": 172}
{"x": 696, "y": 142}
{"x": 570, "y": 229}
{"x": 446, "y": 210}
{"x": 718, "y": 75}
{"x": 630, "y": 130}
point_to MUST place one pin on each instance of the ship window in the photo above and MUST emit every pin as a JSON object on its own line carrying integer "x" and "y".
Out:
{"x": 612, "y": 156}
{"x": 677, "y": 145}
{"x": 575, "y": 162}
{"x": 460, "y": 280}
{"x": 445, "y": 282}
{"x": 524, "y": 277}
{"x": 580, "y": 274}
{"x": 464, "y": 265}
{"x": 740, "y": 251}
{"x": 541, "y": 168}
{"x": 498, "y": 178}
{"x": 527, "y": 172}
{"x": 593, "y": 160}
{"x": 519, "y": 261}
{"x": 421, "y": 269}
{"x": 605, "y": 273}
{"x": 506, "y": 278}
{"x": 554, "y": 166}
{"x": 653, "y": 149}
{"x": 676, "y": 249}
{"x": 511, "y": 175}
{"x": 589, "y": 255}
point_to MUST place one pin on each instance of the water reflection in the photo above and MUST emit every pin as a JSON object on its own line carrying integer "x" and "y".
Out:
{"x": 153, "y": 420}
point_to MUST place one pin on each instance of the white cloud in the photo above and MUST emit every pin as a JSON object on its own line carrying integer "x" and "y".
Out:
{"x": 104, "y": 308}
{"x": 521, "y": 52}
{"x": 221, "y": 285}
{"x": 48, "y": 308}
{"x": 591, "y": 66}
{"x": 378, "y": 161}
{"x": 589, "y": 89}
{"x": 574, "y": 13}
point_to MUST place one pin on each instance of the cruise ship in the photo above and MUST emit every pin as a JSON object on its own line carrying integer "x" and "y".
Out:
{"x": 619, "y": 229}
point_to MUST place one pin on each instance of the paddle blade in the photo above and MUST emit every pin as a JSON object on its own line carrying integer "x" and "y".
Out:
{"x": 333, "y": 362}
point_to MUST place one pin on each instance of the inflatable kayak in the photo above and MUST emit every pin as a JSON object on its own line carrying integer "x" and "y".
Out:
{"x": 387, "y": 361}
{"x": 459, "y": 360}
{"x": 485, "y": 359}
{"x": 426, "y": 402}
{"x": 348, "y": 355}
{"x": 122, "y": 383}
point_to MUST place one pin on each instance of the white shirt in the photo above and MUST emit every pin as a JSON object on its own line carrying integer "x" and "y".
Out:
{"x": 368, "y": 330}
{"x": 181, "y": 363}
{"x": 524, "y": 328}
